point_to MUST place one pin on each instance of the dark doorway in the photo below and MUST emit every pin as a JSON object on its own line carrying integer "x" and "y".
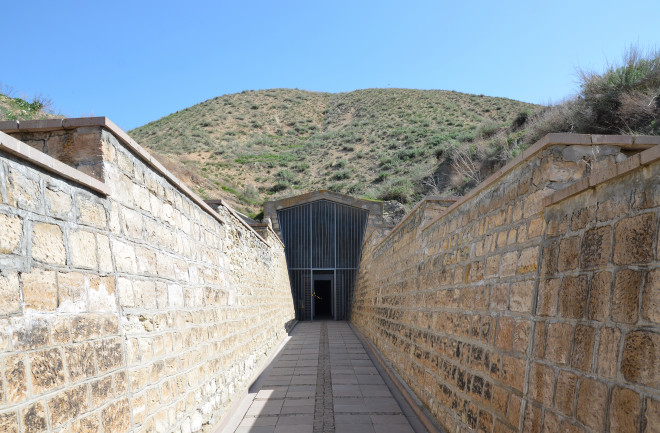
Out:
{"x": 323, "y": 299}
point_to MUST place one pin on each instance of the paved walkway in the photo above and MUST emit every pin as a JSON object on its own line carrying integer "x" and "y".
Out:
{"x": 323, "y": 382}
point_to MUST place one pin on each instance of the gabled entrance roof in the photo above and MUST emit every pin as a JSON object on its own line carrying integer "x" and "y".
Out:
{"x": 375, "y": 208}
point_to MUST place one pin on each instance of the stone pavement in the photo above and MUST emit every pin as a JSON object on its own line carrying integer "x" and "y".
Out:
{"x": 323, "y": 381}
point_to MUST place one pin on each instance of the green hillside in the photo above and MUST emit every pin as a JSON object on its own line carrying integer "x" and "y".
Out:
{"x": 374, "y": 143}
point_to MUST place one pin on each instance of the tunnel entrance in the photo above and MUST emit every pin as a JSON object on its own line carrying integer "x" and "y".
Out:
{"x": 323, "y": 296}
{"x": 323, "y": 247}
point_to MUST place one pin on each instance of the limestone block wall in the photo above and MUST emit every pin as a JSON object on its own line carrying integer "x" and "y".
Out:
{"x": 530, "y": 305}
{"x": 125, "y": 305}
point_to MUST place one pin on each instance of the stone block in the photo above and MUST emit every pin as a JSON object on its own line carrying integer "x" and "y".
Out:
{"x": 83, "y": 249}
{"x": 509, "y": 264}
{"x": 39, "y": 290}
{"x": 511, "y": 368}
{"x": 625, "y": 299}
{"x": 67, "y": 405}
{"x": 58, "y": 203}
{"x": 48, "y": 244}
{"x": 132, "y": 224}
{"x": 521, "y": 296}
{"x": 116, "y": 417}
{"x": 596, "y": 247}
{"x": 558, "y": 343}
{"x": 9, "y": 422}
{"x": 101, "y": 391}
{"x": 582, "y": 217}
{"x": 625, "y": 410}
{"x": 548, "y": 295}
{"x": 633, "y": 239}
{"x": 541, "y": 384}
{"x": 11, "y": 233}
{"x": 573, "y": 297}
{"x": 145, "y": 294}
{"x": 124, "y": 255}
{"x": 608, "y": 352}
{"x": 569, "y": 250}
{"x": 91, "y": 212}
{"x": 34, "y": 418}
{"x": 102, "y": 294}
{"x": 47, "y": 370}
{"x": 23, "y": 192}
{"x": 521, "y": 334}
{"x": 651, "y": 414}
{"x": 583, "y": 348}
{"x": 612, "y": 208}
{"x": 565, "y": 393}
{"x": 641, "y": 352}
{"x": 110, "y": 354}
{"x": 10, "y": 296}
{"x": 601, "y": 296}
{"x": 16, "y": 378}
{"x": 80, "y": 360}
{"x": 592, "y": 404}
{"x": 528, "y": 260}
{"x": 146, "y": 261}
{"x": 105, "y": 255}
{"x": 125, "y": 291}
{"x": 72, "y": 292}
{"x": 651, "y": 297}
{"x": 86, "y": 424}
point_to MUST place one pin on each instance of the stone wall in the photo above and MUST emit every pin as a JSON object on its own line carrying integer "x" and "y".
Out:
{"x": 127, "y": 305}
{"x": 531, "y": 305}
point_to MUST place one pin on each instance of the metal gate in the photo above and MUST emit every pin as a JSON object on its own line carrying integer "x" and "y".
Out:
{"x": 322, "y": 236}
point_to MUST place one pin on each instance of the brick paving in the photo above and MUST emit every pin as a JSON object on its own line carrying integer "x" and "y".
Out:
{"x": 323, "y": 381}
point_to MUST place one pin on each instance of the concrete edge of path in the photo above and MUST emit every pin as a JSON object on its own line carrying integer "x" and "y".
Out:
{"x": 242, "y": 402}
{"x": 418, "y": 416}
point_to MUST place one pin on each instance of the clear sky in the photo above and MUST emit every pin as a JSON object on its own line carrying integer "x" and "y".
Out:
{"x": 136, "y": 61}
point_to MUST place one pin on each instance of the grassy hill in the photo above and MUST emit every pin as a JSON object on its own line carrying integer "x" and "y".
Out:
{"x": 375, "y": 143}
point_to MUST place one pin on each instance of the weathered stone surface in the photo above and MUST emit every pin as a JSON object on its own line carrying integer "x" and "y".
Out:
{"x": 34, "y": 418}
{"x": 601, "y": 295}
{"x": 583, "y": 347}
{"x": 23, "y": 192}
{"x": 40, "y": 290}
{"x": 90, "y": 212}
{"x": 16, "y": 378}
{"x": 11, "y": 233}
{"x": 58, "y": 202}
{"x": 10, "y": 296}
{"x": 83, "y": 249}
{"x": 47, "y": 370}
{"x": 124, "y": 255}
{"x": 596, "y": 247}
{"x": 569, "y": 250}
{"x": 9, "y": 422}
{"x": 67, "y": 405}
{"x": 633, "y": 239}
{"x": 87, "y": 424}
{"x": 116, "y": 417}
{"x": 625, "y": 410}
{"x": 573, "y": 297}
{"x": 48, "y": 244}
{"x": 565, "y": 393}
{"x": 80, "y": 359}
{"x": 625, "y": 299}
{"x": 592, "y": 404}
{"x": 651, "y": 297}
{"x": 651, "y": 416}
{"x": 641, "y": 352}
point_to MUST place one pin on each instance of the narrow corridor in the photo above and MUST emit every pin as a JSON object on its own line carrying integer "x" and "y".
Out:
{"x": 323, "y": 381}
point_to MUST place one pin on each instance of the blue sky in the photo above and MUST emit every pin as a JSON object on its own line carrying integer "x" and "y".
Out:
{"x": 138, "y": 61}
